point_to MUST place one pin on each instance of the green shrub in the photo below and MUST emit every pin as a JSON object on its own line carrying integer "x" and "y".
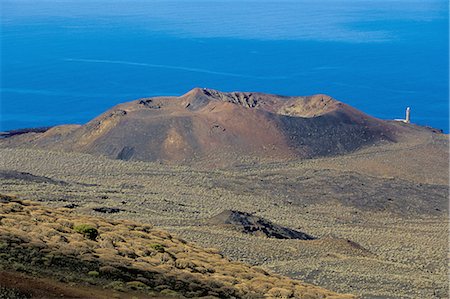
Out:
{"x": 109, "y": 271}
{"x": 157, "y": 247}
{"x": 116, "y": 285}
{"x": 6, "y": 292}
{"x": 171, "y": 293}
{"x": 93, "y": 273}
{"x": 137, "y": 285}
{"x": 87, "y": 231}
{"x": 19, "y": 267}
{"x": 3, "y": 245}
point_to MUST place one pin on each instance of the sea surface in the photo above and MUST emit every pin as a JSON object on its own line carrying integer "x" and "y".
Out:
{"x": 66, "y": 61}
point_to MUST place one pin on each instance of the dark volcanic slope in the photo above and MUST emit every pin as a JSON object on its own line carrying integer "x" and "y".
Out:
{"x": 210, "y": 125}
{"x": 254, "y": 225}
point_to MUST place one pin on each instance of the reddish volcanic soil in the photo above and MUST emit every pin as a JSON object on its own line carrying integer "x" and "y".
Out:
{"x": 33, "y": 287}
{"x": 222, "y": 128}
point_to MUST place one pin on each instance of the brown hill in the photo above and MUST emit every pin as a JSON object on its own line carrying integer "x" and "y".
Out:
{"x": 67, "y": 255}
{"x": 206, "y": 124}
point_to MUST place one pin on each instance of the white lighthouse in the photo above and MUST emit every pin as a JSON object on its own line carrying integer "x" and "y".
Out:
{"x": 408, "y": 115}
{"x": 407, "y": 118}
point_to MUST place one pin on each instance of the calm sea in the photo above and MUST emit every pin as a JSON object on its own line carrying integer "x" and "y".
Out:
{"x": 67, "y": 61}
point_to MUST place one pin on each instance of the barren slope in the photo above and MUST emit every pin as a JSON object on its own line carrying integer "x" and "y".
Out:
{"x": 402, "y": 224}
{"x": 223, "y": 128}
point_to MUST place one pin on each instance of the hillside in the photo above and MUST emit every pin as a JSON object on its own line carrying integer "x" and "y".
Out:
{"x": 221, "y": 128}
{"x": 373, "y": 196}
{"x": 123, "y": 256}
{"x": 395, "y": 210}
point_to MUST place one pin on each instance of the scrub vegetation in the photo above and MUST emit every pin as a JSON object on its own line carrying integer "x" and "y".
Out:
{"x": 124, "y": 256}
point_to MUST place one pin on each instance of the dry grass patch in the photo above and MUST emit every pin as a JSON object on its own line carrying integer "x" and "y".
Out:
{"x": 123, "y": 255}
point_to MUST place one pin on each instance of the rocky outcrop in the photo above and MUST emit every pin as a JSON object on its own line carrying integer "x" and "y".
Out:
{"x": 255, "y": 225}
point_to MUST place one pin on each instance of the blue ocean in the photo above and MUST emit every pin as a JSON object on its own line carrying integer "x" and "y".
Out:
{"x": 66, "y": 61}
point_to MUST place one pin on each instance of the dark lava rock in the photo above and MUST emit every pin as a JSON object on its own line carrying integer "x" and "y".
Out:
{"x": 126, "y": 153}
{"x": 149, "y": 104}
{"x": 23, "y": 131}
{"x": 251, "y": 224}
{"x": 71, "y": 206}
{"x": 25, "y": 176}
{"x": 108, "y": 210}
{"x": 5, "y": 198}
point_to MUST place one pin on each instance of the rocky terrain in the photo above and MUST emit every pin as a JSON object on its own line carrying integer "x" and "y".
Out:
{"x": 378, "y": 235}
{"x": 343, "y": 200}
{"x": 254, "y": 225}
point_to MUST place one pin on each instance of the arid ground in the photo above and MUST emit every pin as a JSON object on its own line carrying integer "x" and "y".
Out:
{"x": 379, "y": 215}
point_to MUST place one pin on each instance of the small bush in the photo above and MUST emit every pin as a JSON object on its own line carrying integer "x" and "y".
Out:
{"x": 86, "y": 230}
{"x": 127, "y": 252}
{"x": 279, "y": 293}
{"x": 116, "y": 285}
{"x": 137, "y": 285}
{"x": 3, "y": 245}
{"x": 157, "y": 247}
{"x": 171, "y": 293}
{"x": 161, "y": 287}
{"x": 109, "y": 271}
{"x": 183, "y": 264}
{"x": 19, "y": 267}
{"x": 12, "y": 293}
{"x": 93, "y": 273}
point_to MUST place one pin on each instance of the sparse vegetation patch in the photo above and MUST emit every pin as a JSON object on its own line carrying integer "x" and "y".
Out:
{"x": 86, "y": 230}
{"x": 126, "y": 256}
